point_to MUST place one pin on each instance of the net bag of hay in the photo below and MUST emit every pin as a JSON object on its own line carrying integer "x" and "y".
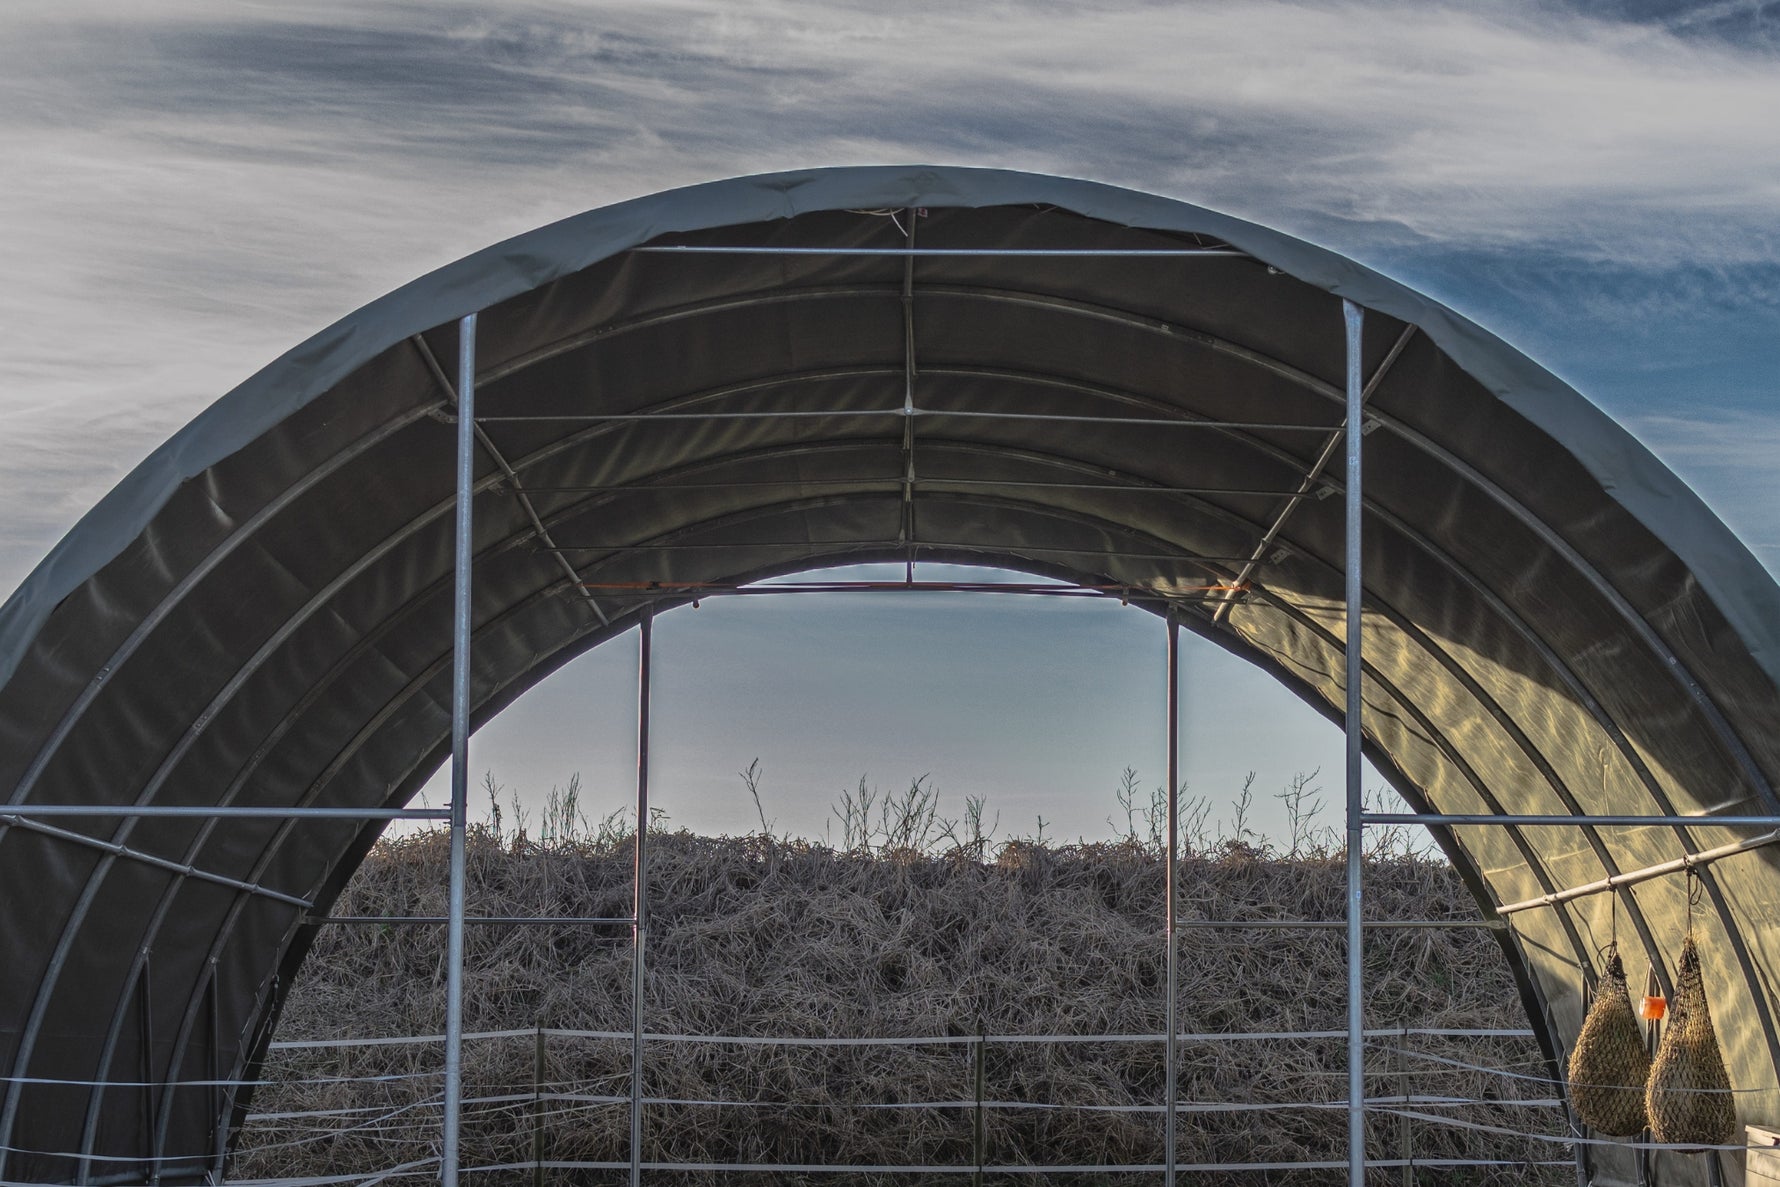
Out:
{"x": 1608, "y": 1065}
{"x": 1689, "y": 1094}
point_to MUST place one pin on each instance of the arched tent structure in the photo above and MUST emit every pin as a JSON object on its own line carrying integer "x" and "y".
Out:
{"x": 260, "y": 613}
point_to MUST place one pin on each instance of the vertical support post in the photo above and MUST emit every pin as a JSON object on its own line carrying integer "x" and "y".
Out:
{"x": 460, "y": 751}
{"x": 1399, "y": 1060}
{"x": 538, "y": 1067}
{"x": 219, "y": 1132}
{"x": 1653, "y": 1037}
{"x": 1171, "y": 958}
{"x": 1356, "y": 1010}
{"x": 979, "y": 1137}
{"x": 639, "y": 928}
{"x": 145, "y": 1029}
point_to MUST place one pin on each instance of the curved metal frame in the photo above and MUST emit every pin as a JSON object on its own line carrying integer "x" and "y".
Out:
{"x": 621, "y": 623}
{"x": 582, "y": 508}
{"x": 1696, "y": 694}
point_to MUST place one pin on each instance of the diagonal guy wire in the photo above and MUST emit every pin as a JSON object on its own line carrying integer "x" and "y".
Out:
{"x": 525, "y": 502}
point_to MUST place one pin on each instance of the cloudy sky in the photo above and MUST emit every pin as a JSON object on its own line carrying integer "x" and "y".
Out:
{"x": 192, "y": 187}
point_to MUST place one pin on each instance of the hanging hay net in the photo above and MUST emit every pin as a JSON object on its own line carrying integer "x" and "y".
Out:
{"x": 1689, "y": 1094}
{"x": 1609, "y": 1065}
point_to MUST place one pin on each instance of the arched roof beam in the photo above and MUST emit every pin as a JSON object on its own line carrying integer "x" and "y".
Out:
{"x": 1722, "y": 731}
{"x": 1452, "y": 565}
{"x": 598, "y": 429}
{"x": 1696, "y": 693}
{"x": 58, "y": 958}
{"x": 153, "y": 619}
{"x": 1628, "y": 753}
{"x": 1524, "y": 629}
{"x": 566, "y": 345}
{"x": 721, "y": 460}
{"x": 1103, "y": 313}
{"x": 317, "y": 787}
{"x": 621, "y": 624}
{"x": 1548, "y": 773}
{"x": 564, "y": 253}
{"x": 887, "y": 369}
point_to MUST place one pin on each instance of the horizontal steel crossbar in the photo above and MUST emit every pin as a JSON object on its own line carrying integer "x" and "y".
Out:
{"x": 13, "y": 812}
{"x": 897, "y": 480}
{"x": 925, "y": 545}
{"x": 900, "y": 413}
{"x": 1021, "y": 1168}
{"x": 1505, "y": 818}
{"x": 185, "y": 869}
{"x": 623, "y": 920}
{"x": 1200, "y": 924}
{"x": 1209, "y": 1037}
{"x": 1632, "y": 877}
{"x": 1066, "y": 253}
{"x": 1334, "y": 924}
{"x": 700, "y": 589}
{"x": 426, "y": 1167}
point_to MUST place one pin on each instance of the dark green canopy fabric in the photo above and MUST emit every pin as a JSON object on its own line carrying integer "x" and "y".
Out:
{"x": 259, "y": 614}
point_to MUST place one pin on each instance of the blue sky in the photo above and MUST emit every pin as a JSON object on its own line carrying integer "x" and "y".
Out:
{"x": 194, "y": 186}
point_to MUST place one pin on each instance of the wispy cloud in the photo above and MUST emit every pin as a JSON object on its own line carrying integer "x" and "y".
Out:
{"x": 1727, "y": 455}
{"x": 194, "y": 186}
{"x": 1426, "y": 121}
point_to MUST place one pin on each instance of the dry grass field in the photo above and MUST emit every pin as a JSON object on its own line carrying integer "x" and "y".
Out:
{"x": 908, "y": 927}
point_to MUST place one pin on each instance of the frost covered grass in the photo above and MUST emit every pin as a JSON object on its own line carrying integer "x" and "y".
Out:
{"x": 908, "y": 925}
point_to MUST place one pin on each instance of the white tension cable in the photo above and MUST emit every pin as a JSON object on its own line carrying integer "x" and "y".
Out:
{"x": 910, "y": 1041}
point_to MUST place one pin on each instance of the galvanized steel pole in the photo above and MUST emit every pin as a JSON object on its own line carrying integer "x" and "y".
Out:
{"x": 1356, "y": 1012}
{"x": 1171, "y": 1043}
{"x": 639, "y": 896}
{"x": 460, "y": 750}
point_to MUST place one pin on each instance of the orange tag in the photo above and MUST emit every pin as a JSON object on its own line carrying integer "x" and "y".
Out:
{"x": 1654, "y": 1009}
